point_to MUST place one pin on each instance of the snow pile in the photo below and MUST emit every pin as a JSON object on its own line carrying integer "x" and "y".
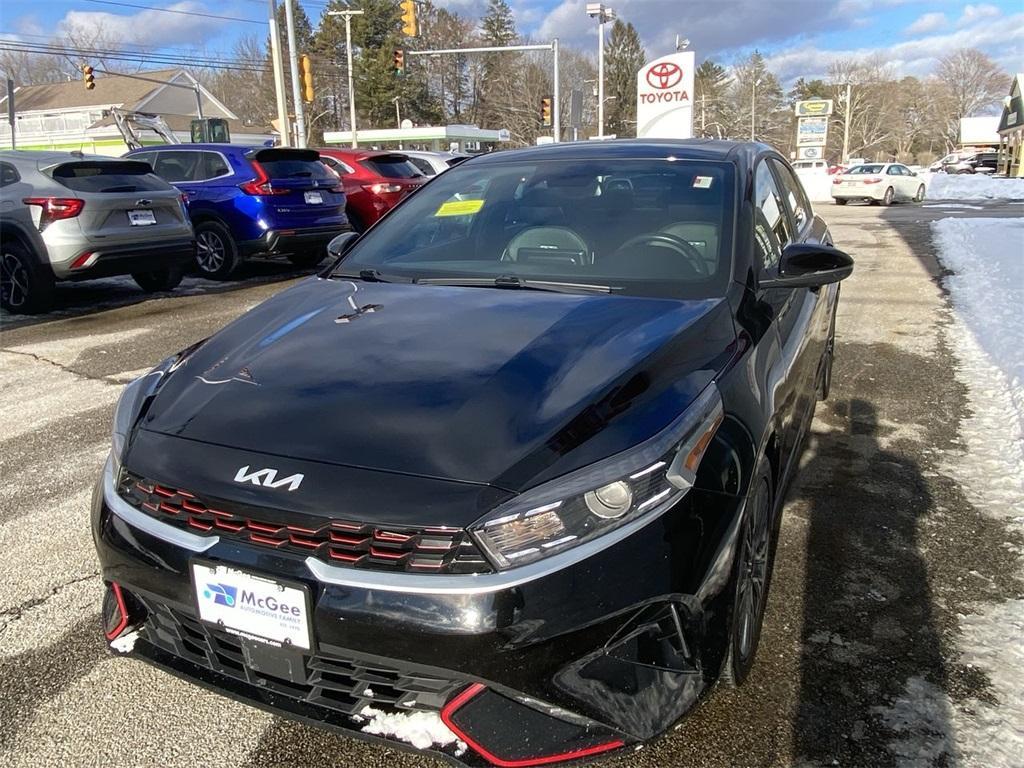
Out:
{"x": 987, "y": 293}
{"x": 978, "y": 186}
{"x": 817, "y": 185}
{"x": 421, "y": 729}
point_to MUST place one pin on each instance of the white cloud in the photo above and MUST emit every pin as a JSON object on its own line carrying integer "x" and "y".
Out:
{"x": 974, "y": 13}
{"x": 149, "y": 27}
{"x": 929, "y": 22}
{"x": 1003, "y": 41}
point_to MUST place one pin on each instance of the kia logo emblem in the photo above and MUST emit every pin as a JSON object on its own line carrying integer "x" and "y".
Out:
{"x": 664, "y": 75}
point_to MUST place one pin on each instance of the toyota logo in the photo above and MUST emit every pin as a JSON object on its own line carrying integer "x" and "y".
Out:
{"x": 664, "y": 75}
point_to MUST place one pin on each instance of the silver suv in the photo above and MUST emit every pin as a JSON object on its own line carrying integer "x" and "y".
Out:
{"x": 69, "y": 216}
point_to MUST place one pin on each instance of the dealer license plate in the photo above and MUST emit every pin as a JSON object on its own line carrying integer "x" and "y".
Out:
{"x": 252, "y": 606}
{"x": 314, "y": 198}
{"x": 141, "y": 217}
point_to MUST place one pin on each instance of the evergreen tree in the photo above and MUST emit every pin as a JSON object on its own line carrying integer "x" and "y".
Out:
{"x": 759, "y": 105}
{"x": 711, "y": 108}
{"x": 624, "y": 57}
{"x": 498, "y": 27}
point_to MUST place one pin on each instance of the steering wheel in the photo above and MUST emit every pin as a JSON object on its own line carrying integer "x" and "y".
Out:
{"x": 676, "y": 244}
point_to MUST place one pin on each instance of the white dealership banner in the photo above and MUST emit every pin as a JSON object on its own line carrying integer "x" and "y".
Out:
{"x": 664, "y": 97}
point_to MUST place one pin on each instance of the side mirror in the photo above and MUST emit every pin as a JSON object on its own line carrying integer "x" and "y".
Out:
{"x": 337, "y": 247}
{"x": 808, "y": 265}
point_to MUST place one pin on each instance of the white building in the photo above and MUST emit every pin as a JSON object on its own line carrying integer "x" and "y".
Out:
{"x": 66, "y": 116}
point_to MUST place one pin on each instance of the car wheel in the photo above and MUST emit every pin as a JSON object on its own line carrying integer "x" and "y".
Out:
{"x": 840, "y": 201}
{"x": 920, "y": 194}
{"x": 216, "y": 251}
{"x": 25, "y": 287}
{"x": 306, "y": 260}
{"x": 755, "y": 554}
{"x": 887, "y": 199}
{"x": 158, "y": 279}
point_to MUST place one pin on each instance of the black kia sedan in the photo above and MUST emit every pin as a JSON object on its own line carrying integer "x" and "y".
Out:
{"x": 504, "y": 481}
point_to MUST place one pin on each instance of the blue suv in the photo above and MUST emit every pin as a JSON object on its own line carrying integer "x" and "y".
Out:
{"x": 253, "y": 201}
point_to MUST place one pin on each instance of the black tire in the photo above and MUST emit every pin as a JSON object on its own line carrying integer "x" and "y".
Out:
{"x": 751, "y": 577}
{"x": 919, "y": 197}
{"x": 26, "y": 286}
{"x": 306, "y": 260}
{"x": 890, "y": 193}
{"x": 159, "y": 279}
{"x": 840, "y": 201}
{"x": 217, "y": 255}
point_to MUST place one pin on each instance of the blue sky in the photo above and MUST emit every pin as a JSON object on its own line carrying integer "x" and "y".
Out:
{"x": 798, "y": 36}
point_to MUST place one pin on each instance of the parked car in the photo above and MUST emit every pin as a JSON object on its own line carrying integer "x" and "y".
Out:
{"x": 979, "y": 162}
{"x": 878, "y": 183}
{"x": 375, "y": 182}
{"x": 252, "y": 201}
{"x": 70, "y": 216}
{"x": 517, "y": 461}
{"x": 433, "y": 163}
{"x": 811, "y": 167}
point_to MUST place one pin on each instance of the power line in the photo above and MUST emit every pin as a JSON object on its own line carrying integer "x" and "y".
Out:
{"x": 128, "y": 56}
{"x": 171, "y": 10}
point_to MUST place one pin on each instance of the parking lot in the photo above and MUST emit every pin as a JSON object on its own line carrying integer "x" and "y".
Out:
{"x": 881, "y": 548}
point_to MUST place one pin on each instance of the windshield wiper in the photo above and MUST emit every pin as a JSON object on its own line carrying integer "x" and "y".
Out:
{"x": 518, "y": 283}
{"x": 372, "y": 276}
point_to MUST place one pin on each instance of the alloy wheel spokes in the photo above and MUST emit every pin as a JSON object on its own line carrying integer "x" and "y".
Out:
{"x": 13, "y": 280}
{"x": 211, "y": 251}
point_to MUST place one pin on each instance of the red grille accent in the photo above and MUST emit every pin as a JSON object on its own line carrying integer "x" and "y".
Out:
{"x": 342, "y": 542}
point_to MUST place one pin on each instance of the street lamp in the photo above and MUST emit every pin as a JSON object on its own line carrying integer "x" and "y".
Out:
{"x": 603, "y": 14}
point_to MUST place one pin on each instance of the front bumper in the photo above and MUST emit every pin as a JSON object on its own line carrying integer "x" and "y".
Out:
{"x": 283, "y": 241}
{"x": 607, "y": 652}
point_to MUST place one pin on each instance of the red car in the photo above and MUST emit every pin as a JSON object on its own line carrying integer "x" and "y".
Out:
{"x": 374, "y": 181}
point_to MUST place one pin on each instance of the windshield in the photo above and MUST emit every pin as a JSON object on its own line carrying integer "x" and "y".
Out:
{"x": 640, "y": 227}
{"x": 865, "y": 169}
{"x": 109, "y": 176}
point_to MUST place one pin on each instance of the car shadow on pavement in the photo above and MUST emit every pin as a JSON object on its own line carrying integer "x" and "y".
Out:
{"x": 868, "y": 617}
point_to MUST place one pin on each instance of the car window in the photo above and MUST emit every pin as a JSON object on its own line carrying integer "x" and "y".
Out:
{"x": 213, "y": 166}
{"x": 894, "y": 170}
{"x": 424, "y": 167}
{"x": 144, "y": 157}
{"x": 643, "y": 227}
{"x": 392, "y": 166}
{"x": 8, "y": 174}
{"x": 771, "y": 224}
{"x": 796, "y": 197}
{"x": 865, "y": 169}
{"x": 185, "y": 165}
{"x": 127, "y": 175}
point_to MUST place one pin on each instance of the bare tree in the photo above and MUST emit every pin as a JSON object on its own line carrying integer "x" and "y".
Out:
{"x": 971, "y": 83}
{"x": 871, "y": 104}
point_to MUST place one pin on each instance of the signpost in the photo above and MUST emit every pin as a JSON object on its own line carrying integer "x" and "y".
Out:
{"x": 664, "y": 97}
{"x": 812, "y": 128}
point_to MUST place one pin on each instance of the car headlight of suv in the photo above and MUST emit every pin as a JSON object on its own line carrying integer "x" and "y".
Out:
{"x": 133, "y": 399}
{"x": 582, "y": 505}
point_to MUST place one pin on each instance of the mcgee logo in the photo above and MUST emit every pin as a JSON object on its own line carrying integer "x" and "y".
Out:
{"x": 222, "y": 594}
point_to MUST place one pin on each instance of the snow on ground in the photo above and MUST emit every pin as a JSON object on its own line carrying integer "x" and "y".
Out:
{"x": 987, "y": 292}
{"x": 421, "y": 729}
{"x": 978, "y": 186}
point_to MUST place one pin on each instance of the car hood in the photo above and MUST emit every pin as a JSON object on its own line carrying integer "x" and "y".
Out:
{"x": 479, "y": 385}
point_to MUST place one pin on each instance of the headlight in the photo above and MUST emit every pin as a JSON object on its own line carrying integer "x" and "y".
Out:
{"x": 642, "y": 481}
{"x": 129, "y": 405}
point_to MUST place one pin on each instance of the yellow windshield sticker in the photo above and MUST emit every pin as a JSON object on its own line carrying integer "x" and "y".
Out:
{"x": 460, "y": 208}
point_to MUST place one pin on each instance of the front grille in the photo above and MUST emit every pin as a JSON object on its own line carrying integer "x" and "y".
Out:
{"x": 340, "y": 682}
{"x": 339, "y": 542}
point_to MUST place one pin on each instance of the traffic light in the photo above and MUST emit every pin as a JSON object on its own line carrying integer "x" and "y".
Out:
{"x": 399, "y": 61}
{"x": 306, "y": 77}
{"x": 545, "y": 111}
{"x": 88, "y": 77}
{"x": 408, "y": 18}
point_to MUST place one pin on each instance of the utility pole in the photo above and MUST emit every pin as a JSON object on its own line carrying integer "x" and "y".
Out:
{"x": 398, "y": 113}
{"x": 753, "y": 105}
{"x": 603, "y": 14}
{"x": 277, "y": 64}
{"x": 557, "y": 120}
{"x": 846, "y": 124}
{"x": 293, "y": 66}
{"x": 351, "y": 89}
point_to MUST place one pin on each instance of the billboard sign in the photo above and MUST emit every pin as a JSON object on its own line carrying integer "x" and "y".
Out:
{"x": 812, "y": 132}
{"x": 810, "y": 153}
{"x": 814, "y": 108}
{"x": 664, "y": 95}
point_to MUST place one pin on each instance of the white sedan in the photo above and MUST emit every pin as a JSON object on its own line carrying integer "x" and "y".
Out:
{"x": 878, "y": 183}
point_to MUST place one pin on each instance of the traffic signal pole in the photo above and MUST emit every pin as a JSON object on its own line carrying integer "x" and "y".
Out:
{"x": 293, "y": 66}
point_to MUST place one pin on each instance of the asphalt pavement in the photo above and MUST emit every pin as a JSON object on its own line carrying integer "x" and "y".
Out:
{"x": 880, "y": 549}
